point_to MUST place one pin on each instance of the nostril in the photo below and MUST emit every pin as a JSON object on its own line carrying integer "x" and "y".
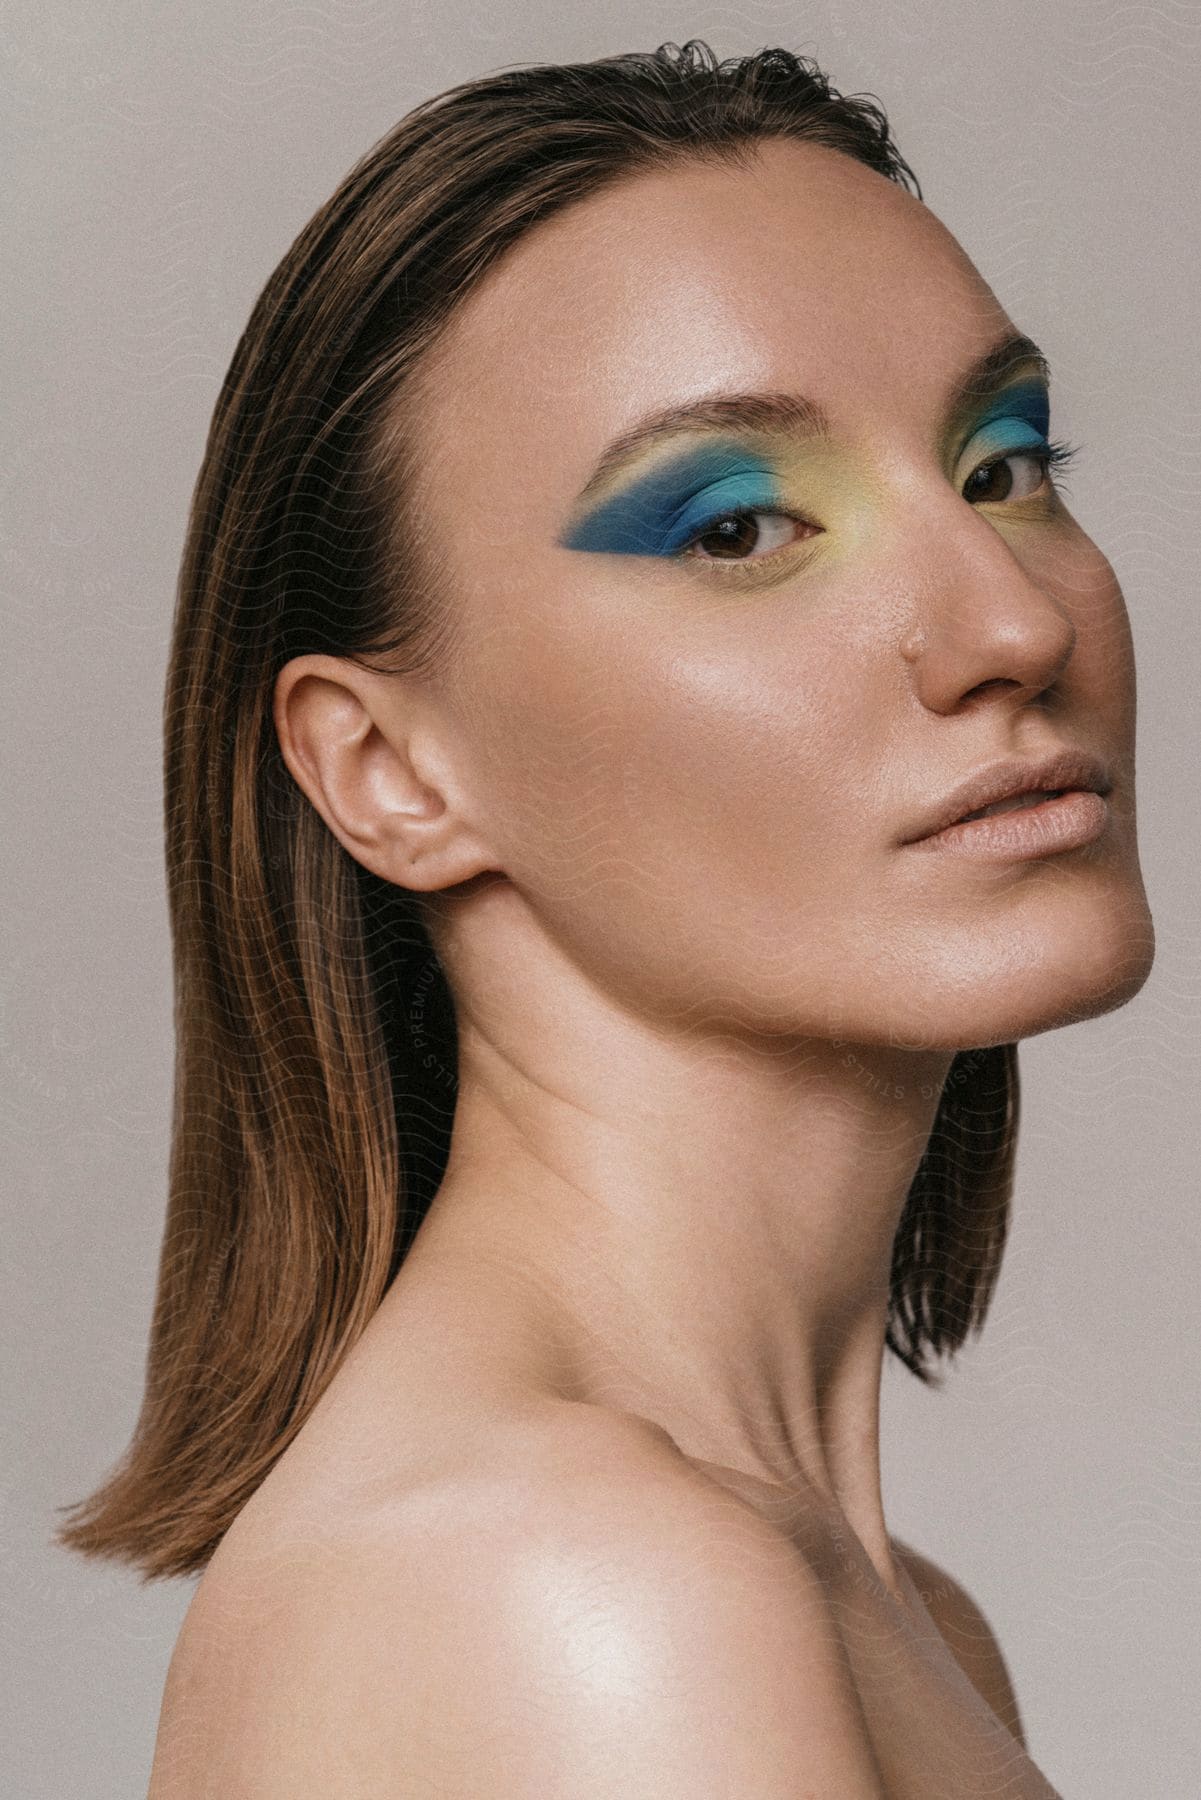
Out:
{"x": 985, "y": 687}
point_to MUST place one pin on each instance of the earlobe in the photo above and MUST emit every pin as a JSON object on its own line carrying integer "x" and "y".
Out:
{"x": 423, "y": 838}
{"x": 364, "y": 751}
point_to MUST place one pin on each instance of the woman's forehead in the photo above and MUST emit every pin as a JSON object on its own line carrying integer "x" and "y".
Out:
{"x": 804, "y": 272}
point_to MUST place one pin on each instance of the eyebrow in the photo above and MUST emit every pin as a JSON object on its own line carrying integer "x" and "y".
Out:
{"x": 792, "y": 415}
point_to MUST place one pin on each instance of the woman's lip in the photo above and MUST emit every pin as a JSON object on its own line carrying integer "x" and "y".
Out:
{"x": 1065, "y": 823}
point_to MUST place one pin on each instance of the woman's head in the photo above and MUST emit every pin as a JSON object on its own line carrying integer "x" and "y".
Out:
{"x": 695, "y": 747}
{"x": 416, "y": 666}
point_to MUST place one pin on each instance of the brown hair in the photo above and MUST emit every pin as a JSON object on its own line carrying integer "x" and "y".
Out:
{"x": 316, "y": 1057}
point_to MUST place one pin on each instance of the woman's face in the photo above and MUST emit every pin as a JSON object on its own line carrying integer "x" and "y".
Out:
{"x": 698, "y": 745}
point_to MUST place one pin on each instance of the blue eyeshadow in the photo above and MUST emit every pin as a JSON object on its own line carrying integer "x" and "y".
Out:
{"x": 1025, "y": 402}
{"x": 659, "y": 513}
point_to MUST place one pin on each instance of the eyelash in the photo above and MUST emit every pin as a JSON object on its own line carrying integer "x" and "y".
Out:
{"x": 1056, "y": 456}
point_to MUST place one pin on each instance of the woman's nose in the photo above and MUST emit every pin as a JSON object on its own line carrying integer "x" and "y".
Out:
{"x": 982, "y": 621}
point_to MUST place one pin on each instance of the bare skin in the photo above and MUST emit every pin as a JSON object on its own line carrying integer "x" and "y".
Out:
{"x": 706, "y": 1001}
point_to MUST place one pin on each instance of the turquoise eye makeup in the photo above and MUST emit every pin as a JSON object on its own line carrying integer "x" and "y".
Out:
{"x": 1016, "y": 423}
{"x": 658, "y": 513}
{"x": 1026, "y": 402}
{"x": 1017, "y": 419}
{"x": 665, "y": 509}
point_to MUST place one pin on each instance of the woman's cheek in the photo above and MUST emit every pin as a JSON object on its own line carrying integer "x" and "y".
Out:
{"x": 725, "y": 774}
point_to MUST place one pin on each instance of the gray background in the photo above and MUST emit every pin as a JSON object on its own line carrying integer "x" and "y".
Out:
{"x": 159, "y": 162}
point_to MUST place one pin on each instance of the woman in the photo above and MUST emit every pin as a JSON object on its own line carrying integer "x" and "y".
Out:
{"x": 645, "y": 738}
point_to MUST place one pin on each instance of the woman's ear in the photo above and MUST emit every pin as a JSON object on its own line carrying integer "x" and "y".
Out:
{"x": 376, "y": 757}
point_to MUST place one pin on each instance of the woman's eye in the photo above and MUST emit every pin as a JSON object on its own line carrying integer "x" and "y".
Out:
{"x": 994, "y": 481}
{"x": 731, "y": 536}
{"x": 747, "y": 534}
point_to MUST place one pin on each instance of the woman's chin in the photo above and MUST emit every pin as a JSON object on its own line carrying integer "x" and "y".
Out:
{"x": 1070, "y": 970}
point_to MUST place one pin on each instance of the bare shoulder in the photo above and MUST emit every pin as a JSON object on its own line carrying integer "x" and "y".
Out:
{"x": 595, "y": 1621}
{"x": 967, "y": 1634}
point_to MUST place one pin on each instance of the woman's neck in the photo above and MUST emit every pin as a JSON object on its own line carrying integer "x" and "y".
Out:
{"x": 694, "y": 1229}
